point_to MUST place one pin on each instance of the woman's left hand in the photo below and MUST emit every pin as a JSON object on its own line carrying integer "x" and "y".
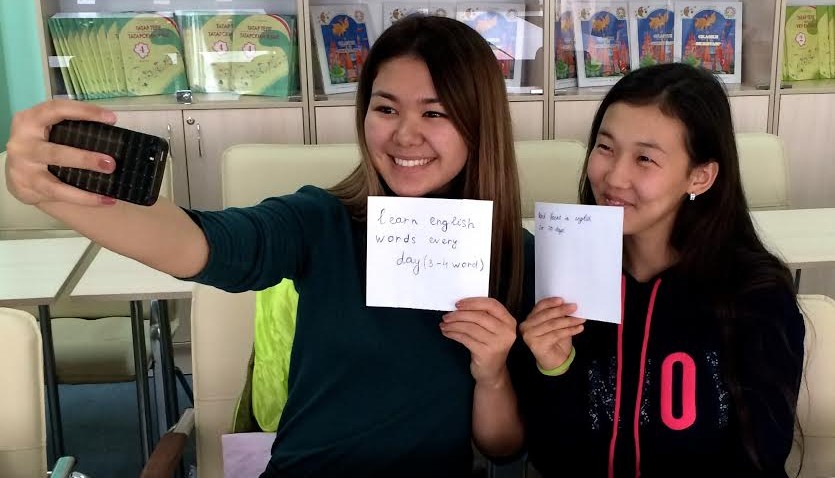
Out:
{"x": 487, "y": 329}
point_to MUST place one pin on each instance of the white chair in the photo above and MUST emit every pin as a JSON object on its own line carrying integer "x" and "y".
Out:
{"x": 816, "y": 404}
{"x": 22, "y": 421}
{"x": 764, "y": 168}
{"x": 222, "y": 325}
{"x": 549, "y": 171}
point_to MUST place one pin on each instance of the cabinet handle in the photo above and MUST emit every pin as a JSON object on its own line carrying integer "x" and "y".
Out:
{"x": 170, "y": 146}
{"x": 199, "y": 142}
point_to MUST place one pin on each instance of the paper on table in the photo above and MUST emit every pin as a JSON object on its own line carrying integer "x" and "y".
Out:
{"x": 578, "y": 257}
{"x": 426, "y": 253}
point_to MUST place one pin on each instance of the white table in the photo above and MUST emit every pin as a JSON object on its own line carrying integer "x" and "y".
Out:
{"x": 33, "y": 272}
{"x": 112, "y": 276}
{"x": 804, "y": 238}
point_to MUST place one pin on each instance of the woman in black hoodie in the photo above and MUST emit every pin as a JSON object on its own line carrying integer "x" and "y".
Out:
{"x": 702, "y": 375}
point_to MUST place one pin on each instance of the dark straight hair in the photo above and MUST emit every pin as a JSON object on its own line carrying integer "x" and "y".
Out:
{"x": 714, "y": 237}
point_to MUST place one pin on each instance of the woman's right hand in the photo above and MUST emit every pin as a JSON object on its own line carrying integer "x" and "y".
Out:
{"x": 548, "y": 331}
{"x": 29, "y": 152}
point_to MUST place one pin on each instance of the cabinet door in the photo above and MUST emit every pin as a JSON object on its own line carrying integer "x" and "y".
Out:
{"x": 527, "y": 117}
{"x": 335, "y": 124}
{"x": 166, "y": 124}
{"x": 572, "y": 119}
{"x": 750, "y": 113}
{"x": 806, "y": 126}
{"x": 209, "y": 132}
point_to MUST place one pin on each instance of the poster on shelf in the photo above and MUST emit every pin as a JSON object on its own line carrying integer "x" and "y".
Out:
{"x": 343, "y": 35}
{"x": 442, "y": 9}
{"x": 392, "y": 12}
{"x": 565, "y": 57}
{"x": 502, "y": 25}
{"x": 601, "y": 37}
{"x": 709, "y": 35}
{"x": 809, "y": 41}
{"x": 651, "y": 33}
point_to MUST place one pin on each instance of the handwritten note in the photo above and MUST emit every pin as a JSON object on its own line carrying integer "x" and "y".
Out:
{"x": 578, "y": 257}
{"x": 426, "y": 253}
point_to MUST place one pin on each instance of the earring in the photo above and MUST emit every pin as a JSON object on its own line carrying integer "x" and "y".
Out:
{"x": 692, "y": 196}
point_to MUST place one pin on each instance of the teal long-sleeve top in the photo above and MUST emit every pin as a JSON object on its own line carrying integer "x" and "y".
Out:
{"x": 372, "y": 391}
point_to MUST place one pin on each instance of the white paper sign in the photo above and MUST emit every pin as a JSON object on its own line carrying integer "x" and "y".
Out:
{"x": 578, "y": 257}
{"x": 426, "y": 253}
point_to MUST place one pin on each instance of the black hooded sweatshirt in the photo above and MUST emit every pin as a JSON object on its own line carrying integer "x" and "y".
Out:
{"x": 662, "y": 376}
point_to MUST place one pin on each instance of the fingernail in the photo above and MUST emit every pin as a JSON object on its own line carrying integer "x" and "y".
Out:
{"x": 108, "y": 117}
{"x": 107, "y": 164}
{"x": 107, "y": 200}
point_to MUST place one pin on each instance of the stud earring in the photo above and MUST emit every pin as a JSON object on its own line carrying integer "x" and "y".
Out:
{"x": 692, "y": 196}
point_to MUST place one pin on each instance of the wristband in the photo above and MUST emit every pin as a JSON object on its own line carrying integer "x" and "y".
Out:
{"x": 560, "y": 369}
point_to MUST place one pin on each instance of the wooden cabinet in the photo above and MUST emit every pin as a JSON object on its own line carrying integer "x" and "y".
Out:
{"x": 335, "y": 124}
{"x": 750, "y": 113}
{"x": 528, "y": 119}
{"x": 209, "y": 132}
{"x": 572, "y": 119}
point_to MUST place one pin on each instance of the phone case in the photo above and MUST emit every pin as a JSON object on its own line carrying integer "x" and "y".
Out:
{"x": 140, "y": 160}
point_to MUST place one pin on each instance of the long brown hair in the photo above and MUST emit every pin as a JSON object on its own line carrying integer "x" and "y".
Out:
{"x": 714, "y": 237}
{"x": 471, "y": 88}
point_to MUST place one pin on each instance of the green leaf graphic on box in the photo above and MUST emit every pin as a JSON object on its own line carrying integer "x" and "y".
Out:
{"x": 801, "y": 44}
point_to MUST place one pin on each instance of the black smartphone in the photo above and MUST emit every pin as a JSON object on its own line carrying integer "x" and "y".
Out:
{"x": 140, "y": 160}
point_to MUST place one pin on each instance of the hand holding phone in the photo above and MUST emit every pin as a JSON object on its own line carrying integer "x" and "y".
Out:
{"x": 140, "y": 160}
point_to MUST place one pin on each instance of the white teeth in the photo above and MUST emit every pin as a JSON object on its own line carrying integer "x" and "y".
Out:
{"x": 410, "y": 163}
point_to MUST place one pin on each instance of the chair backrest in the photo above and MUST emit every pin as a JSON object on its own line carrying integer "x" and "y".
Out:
{"x": 253, "y": 172}
{"x": 222, "y": 324}
{"x": 549, "y": 171}
{"x": 764, "y": 168}
{"x": 816, "y": 404}
{"x": 23, "y": 429}
{"x": 221, "y": 342}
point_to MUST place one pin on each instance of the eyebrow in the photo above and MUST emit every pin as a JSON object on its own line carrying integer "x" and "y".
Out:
{"x": 644, "y": 144}
{"x": 392, "y": 97}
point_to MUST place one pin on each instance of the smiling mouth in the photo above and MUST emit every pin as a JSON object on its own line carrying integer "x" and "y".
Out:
{"x": 617, "y": 202}
{"x": 412, "y": 163}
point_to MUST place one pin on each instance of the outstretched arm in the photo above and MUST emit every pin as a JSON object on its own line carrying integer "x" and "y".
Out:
{"x": 161, "y": 236}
